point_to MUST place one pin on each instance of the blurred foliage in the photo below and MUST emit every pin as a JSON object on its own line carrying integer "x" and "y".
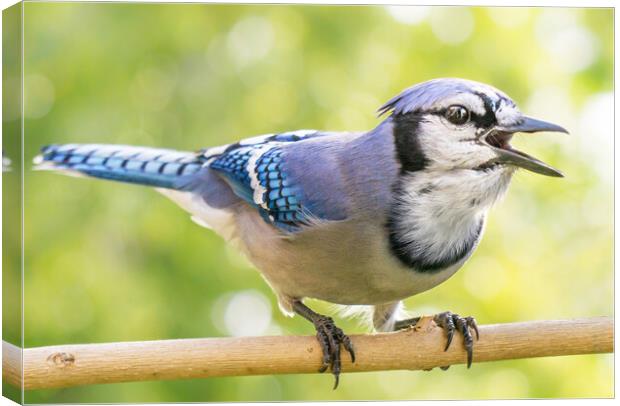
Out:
{"x": 113, "y": 262}
{"x": 11, "y": 186}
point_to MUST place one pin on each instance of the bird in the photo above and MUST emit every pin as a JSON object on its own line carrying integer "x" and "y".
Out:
{"x": 351, "y": 218}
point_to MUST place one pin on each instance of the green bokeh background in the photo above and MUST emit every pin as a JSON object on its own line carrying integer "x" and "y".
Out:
{"x": 111, "y": 262}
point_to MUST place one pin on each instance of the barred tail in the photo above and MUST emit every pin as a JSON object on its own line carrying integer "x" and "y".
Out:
{"x": 162, "y": 168}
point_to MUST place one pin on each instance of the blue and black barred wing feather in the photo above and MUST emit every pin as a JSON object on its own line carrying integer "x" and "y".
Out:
{"x": 291, "y": 136}
{"x": 155, "y": 167}
{"x": 256, "y": 171}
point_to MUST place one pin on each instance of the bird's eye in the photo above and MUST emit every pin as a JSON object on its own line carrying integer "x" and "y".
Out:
{"x": 457, "y": 114}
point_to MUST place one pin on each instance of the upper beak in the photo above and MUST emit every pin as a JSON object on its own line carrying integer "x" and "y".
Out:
{"x": 532, "y": 125}
{"x": 508, "y": 155}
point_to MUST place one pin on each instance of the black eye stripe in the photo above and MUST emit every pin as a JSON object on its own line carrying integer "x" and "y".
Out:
{"x": 489, "y": 104}
{"x": 488, "y": 119}
{"x": 485, "y": 121}
{"x": 481, "y": 121}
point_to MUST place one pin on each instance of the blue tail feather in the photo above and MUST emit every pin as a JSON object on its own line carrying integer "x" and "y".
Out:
{"x": 155, "y": 167}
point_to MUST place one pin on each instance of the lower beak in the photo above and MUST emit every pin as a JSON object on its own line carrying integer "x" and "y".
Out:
{"x": 510, "y": 156}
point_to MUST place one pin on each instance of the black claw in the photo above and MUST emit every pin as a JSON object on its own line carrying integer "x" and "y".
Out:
{"x": 330, "y": 338}
{"x": 451, "y": 322}
{"x": 346, "y": 342}
{"x": 467, "y": 340}
{"x": 336, "y": 365}
{"x": 450, "y": 336}
{"x": 324, "y": 343}
{"x": 471, "y": 322}
{"x": 349, "y": 347}
{"x": 444, "y": 320}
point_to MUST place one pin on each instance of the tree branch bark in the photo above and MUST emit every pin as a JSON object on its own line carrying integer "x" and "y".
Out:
{"x": 413, "y": 349}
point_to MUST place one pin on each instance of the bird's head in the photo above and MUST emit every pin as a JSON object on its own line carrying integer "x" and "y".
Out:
{"x": 457, "y": 124}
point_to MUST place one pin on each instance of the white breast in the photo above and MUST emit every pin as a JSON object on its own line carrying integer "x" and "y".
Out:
{"x": 441, "y": 214}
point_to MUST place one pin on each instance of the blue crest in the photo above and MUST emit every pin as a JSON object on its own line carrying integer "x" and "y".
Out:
{"x": 424, "y": 95}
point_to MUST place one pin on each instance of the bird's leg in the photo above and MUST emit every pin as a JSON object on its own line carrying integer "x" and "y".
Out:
{"x": 450, "y": 322}
{"x": 330, "y": 338}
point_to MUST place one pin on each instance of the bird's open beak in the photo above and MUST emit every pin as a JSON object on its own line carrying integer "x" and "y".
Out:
{"x": 499, "y": 140}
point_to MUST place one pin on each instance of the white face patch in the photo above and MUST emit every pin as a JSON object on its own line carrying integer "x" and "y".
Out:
{"x": 507, "y": 114}
{"x": 449, "y": 147}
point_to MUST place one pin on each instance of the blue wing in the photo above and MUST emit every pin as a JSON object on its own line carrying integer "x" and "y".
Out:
{"x": 258, "y": 172}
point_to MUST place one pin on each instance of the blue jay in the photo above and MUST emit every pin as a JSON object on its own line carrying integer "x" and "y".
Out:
{"x": 366, "y": 218}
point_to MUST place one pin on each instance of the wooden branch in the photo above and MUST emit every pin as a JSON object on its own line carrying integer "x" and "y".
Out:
{"x": 413, "y": 349}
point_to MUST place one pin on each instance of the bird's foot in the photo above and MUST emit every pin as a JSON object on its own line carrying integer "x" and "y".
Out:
{"x": 452, "y": 322}
{"x": 330, "y": 338}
